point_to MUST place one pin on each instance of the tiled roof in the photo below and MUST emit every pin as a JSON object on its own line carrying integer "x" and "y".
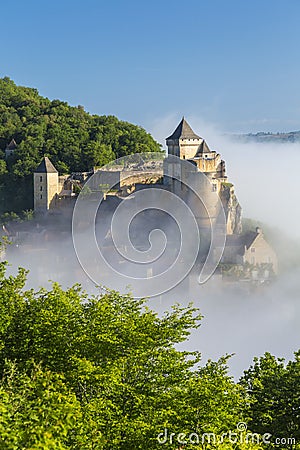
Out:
{"x": 249, "y": 238}
{"x": 45, "y": 166}
{"x": 184, "y": 131}
{"x": 203, "y": 148}
{"x": 242, "y": 241}
{"x": 12, "y": 145}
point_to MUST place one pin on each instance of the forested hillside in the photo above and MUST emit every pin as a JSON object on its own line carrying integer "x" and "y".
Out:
{"x": 73, "y": 139}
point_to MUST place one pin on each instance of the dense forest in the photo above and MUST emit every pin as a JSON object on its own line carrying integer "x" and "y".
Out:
{"x": 105, "y": 372}
{"x": 73, "y": 139}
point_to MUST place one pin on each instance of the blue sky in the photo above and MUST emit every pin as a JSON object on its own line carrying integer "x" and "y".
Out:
{"x": 233, "y": 63}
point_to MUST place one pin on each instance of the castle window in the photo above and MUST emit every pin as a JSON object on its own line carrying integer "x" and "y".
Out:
{"x": 41, "y": 178}
{"x": 41, "y": 197}
{"x": 41, "y": 188}
{"x": 252, "y": 250}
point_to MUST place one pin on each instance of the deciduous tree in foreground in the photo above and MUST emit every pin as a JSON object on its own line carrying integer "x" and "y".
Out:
{"x": 104, "y": 372}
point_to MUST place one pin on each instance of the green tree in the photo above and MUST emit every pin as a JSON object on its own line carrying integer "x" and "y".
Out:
{"x": 274, "y": 398}
{"x": 97, "y": 154}
{"x": 2, "y": 167}
{"x": 103, "y": 372}
{"x": 37, "y": 410}
{"x": 73, "y": 139}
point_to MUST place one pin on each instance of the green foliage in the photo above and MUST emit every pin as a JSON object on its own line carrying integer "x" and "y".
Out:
{"x": 28, "y": 214}
{"x": 73, "y": 139}
{"x": 226, "y": 185}
{"x": 102, "y": 372}
{"x": 3, "y": 169}
{"x": 10, "y": 217}
{"x": 234, "y": 272}
{"x": 274, "y": 398}
{"x": 210, "y": 402}
{"x": 37, "y": 410}
{"x": 7, "y": 217}
{"x": 105, "y": 372}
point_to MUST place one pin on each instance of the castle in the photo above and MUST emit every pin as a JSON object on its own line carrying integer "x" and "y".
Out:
{"x": 52, "y": 192}
{"x": 186, "y": 145}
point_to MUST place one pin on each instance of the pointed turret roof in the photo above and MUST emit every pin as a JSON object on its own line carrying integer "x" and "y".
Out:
{"x": 203, "y": 148}
{"x": 12, "y": 145}
{"x": 45, "y": 166}
{"x": 184, "y": 131}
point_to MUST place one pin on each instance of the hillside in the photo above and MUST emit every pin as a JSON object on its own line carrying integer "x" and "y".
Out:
{"x": 72, "y": 138}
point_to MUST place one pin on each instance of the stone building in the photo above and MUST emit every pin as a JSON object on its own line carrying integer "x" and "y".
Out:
{"x": 258, "y": 251}
{"x": 45, "y": 186}
{"x": 251, "y": 248}
{"x": 185, "y": 144}
{"x": 58, "y": 192}
{"x": 190, "y": 160}
{"x": 241, "y": 249}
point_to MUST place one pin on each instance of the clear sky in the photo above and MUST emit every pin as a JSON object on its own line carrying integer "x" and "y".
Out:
{"x": 234, "y": 63}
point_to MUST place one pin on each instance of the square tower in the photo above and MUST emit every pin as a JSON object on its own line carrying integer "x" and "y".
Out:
{"x": 183, "y": 143}
{"x": 45, "y": 185}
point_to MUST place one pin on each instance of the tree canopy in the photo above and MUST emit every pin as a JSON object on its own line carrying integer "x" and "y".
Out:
{"x": 105, "y": 372}
{"x": 273, "y": 398}
{"x": 73, "y": 139}
{"x": 102, "y": 372}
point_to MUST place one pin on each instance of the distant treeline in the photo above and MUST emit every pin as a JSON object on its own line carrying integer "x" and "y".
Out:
{"x": 264, "y": 137}
{"x": 73, "y": 139}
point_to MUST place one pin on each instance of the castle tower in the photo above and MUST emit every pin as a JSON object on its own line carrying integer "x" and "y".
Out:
{"x": 183, "y": 143}
{"x": 186, "y": 144}
{"x": 45, "y": 185}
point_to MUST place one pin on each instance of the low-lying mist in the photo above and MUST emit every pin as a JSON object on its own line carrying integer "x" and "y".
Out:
{"x": 264, "y": 174}
{"x": 242, "y": 321}
{"x": 267, "y": 186}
